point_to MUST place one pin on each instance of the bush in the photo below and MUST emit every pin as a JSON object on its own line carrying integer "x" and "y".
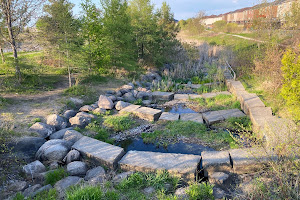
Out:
{"x": 76, "y": 90}
{"x": 202, "y": 191}
{"x": 118, "y": 122}
{"x": 53, "y": 176}
{"x": 88, "y": 193}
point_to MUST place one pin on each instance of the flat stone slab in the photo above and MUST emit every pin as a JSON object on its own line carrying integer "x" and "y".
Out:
{"x": 130, "y": 109}
{"x": 100, "y": 152}
{"x": 220, "y": 115}
{"x": 195, "y": 96}
{"x": 215, "y": 161}
{"x": 166, "y": 116}
{"x": 231, "y": 113}
{"x": 223, "y": 92}
{"x": 181, "y": 97}
{"x": 245, "y": 96}
{"x": 166, "y": 96}
{"x": 252, "y": 103}
{"x": 258, "y": 116}
{"x": 235, "y": 86}
{"x": 181, "y": 165}
{"x": 209, "y": 95}
{"x": 194, "y": 117}
{"x": 249, "y": 160}
{"x": 148, "y": 114}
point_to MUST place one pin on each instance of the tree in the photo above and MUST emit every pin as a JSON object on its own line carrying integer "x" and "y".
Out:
{"x": 293, "y": 16}
{"x": 195, "y": 25}
{"x": 59, "y": 29}
{"x": 16, "y": 14}
{"x": 219, "y": 26}
{"x": 117, "y": 31}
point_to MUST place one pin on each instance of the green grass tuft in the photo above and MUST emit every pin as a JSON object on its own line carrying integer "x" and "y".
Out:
{"x": 200, "y": 191}
{"x": 53, "y": 176}
{"x": 220, "y": 102}
{"x": 118, "y": 122}
{"x": 88, "y": 193}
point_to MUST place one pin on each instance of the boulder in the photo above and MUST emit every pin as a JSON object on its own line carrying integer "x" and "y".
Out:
{"x": 65, "y": 183}
{"x": 77, "y": 168}
{"x": 147, "y": 102}
{"x": 81, "y": 119}
{"x": 33, "y": 168}
{"x": 31, "y": 190}
{"x": 95, "y": 175}
{"x": 72, "y": 136}
{"x": 44, "y": 130}
{"x": 119, "y": 93}
{"x": 181, "y": 193}
{"x": 57, "y": 121}
{"x": 42, "y": 189}
{"x": 120, "y": 99}
{"x": 121, "y": 104}
{"x": 17, "y": 186}
{"x": 112, "y": 97}
{"x": 53, "y": 150}
{"x": 110, "y": 92}
{"x": 105, "y": 102}
{"x": 73, "y": 155}
{"x": 120, "y": 177}
{"x": 129, "y": 97}
{"x": 144, "y": 95}
{"x": 128, "y": 87}
{"x": 99, "y": 111}
{"x": 86, "y": 108}
{"x": 69, "y": 113}
{"x": 53, "y": 165}
{"x": 59, "y": 134}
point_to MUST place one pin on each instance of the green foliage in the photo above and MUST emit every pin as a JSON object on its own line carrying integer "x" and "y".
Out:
{"x": 219, "y": 26}
{"x": 47, "y": 195}
{"x": 138, "y": 102}
{"x": 85, "y": 192}
{"x": 193, "y": 25}
{"x": 36, "y": 120}
{"x": 200, "y": 191}
{"x": 77, "y": 90}
{"x": 19, "y": 196}
{"x": 291, "y": 83}
{"x": 102, "y": 134}
{"x": 54, "y": 176}
{"x": 232, "y": 28}
{"x": 220, "y": 102}
{"x": 240, "y": 123}
{"x": 118, "y": 122}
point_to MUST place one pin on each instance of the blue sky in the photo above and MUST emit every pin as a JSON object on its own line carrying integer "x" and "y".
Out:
{"x": 184, "y": 9}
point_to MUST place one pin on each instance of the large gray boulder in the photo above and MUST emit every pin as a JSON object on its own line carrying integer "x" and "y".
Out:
{"x": 69, "y": 113}
{"x": 105, "y": 102}
{"x": 65, "y": 183}
{"x": 44, "y": 130}
{"x": 144, "y": 95}
{"x": 57, "y": 121}
{"x": 129, "y": 97}
{"x": 121, "y": 104}
{"x": 72, "y": 136}
{"x": 112, "y": 97}
{"x": 73, "y": 155}
{"x": 77, "y": 168}
{"x": 86, "y": 108}
{"x": 81, "y": 119}
{"x": 59, "y": 134}
{"x": 31, "y": 190}
{"x": 53, "y": 150}
{"x": 34, "y": 168}
{"x": 95, "y": 175}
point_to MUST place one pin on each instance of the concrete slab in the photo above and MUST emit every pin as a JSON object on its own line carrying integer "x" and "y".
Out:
{"x": 181, "y": 97}
{"x": 130, "y": 109}
{"x": 99, "y": 152}
{"x": 215, "y": 161}
{"x": 231, "y": 113}
{"x": 194, "y": 117}
{"x": 181, "y": 165}
{"x": 165, "y": 96}
{"x": 148, "y": 114}
{"x": 252, "y": 103}
{"x": 196, "y": 86}
{"x": 209, "y": 95}
{"x": 258, "y": 118}
{"x": 195, "y": 96}
{"x": 245, "y": 96}
{"x": 235, "y": 86}
{"x": 212, "y": 117}
{"x": 250, "y": 160}
{"x": 166, "y": 116}
{"x": 224, "y": 92}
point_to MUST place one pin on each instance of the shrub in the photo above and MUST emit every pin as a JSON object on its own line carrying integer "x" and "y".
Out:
{"x": 88, "y": 192}
{"x": 77, "y": 90}
{"x": 53, "y": 176}
{"x": 118, "y": 122}
{"x": 201, "y": 191}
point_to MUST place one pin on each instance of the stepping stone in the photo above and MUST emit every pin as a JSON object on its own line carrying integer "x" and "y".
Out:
{"x": 166, "y": 116}
{"x": 196, "y": 86}
{"x": 165, "y": 96}
{"x": 218, "y": 178}
{"x": 181, "y": 165}
{"x": 212, "y": 117}
{"x": 100, "y": 152}
{"x": 250, "y": 160}
{"x": 235, "y": 86}
{"x": 252, "y": 103}
{"x": 195, "y": 96}
{"x": 245, "y": 96}
{"x": 215, "y": 161}
{"x": 194, "y": 117}
{"x": 258, "y": 118}
{"x": 209, "y": 95}
{"x": 224, "y": 92}
{"x": 130, "y": 109}
{"x": 148, "y": 114}
{"x": 181, "y": 97}
{"x": 231, "y": 113}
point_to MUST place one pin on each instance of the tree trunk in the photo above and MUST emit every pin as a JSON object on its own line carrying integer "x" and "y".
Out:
{"x": 2, "y": 55}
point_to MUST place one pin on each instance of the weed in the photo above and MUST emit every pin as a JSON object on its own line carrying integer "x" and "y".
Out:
{"x": 88, "y": 192}
{"x": 200, "y": 191}
{"x": 118, "y": 122}
{"x": 76, "y": 90}
{"x": 47, "y": 195}
{"x": 220, "y": 102}
{"x": 36, "y": 120}
{"x": 53, "y": 176}
{"x": 138, "y": 102}
{"x": 19, "y": 196}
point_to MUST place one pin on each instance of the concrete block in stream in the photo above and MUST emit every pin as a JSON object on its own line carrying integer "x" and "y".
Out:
{"x": 165, "y": 96}
{"x": 148, "y": 114}
{"x": 215, "y": 161}
{"x": 180, "y": 165}
{"x": 166, "y": 116}
{"x": 194, "y": 117}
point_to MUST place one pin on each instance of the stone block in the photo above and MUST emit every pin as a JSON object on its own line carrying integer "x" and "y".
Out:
{"x": 252, "y": 103}
{"x": 209, "y": 95}
{"x": 181, "y": 165}
{"x": 235, "y": 86}
{"x": 195, "y": 96}
{"x": 181, "y": 97}
{"x": 148, "y": 114}
{"x": 130, "y": 109}
{"x": 194, "y": 117}
{"x": 224, "y": 92}
{"x": 245, "y": 96}
{"x": 212, "y": 117}
{"x": 258, "y": 116}
{"x": 166, "y": 116}
{"x": 165, "y": 96}
{"x": 100, "y": 152}
{"x": 215, "y": 161}
{"x": 231, "y": 113}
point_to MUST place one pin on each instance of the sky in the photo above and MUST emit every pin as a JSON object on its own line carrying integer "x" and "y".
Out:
{"x": 184, "y": 9}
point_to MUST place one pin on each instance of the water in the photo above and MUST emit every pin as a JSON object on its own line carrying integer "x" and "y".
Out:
{"x": 178, "y": 109}
{"x": 180, "y": 147}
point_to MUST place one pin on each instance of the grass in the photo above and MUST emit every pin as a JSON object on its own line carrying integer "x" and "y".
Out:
{"x": 175, "y": 129}
{"x": 88, "y": 192}
{"x": 53, "y": 176}
{"x": 45, "y": 195}
{"x": 119, "y": 122}
{"x": 236, "y": 123}
{"x": 220, "y": 102}
{"x": 102, "y": 134}
{"x": 200, "y": 191}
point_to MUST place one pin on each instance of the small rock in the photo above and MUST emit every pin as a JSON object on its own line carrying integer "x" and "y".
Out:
{"x": 119, "y": 93}
{"x": 44, "y": 130}
{"x": 181, "y": 193}
{"x": 84, "y": 114}
{"x": 69, "y": 113}
{"x": 72, "y": 136}
{"x": 57, "y": 121}
{"x": 105, "y": 102}
{"x": 121, "y": 104}
{"x": 120, "y": 99}
{"x": 59, "y": 134}
{"x": 53, "y": 165}
{"x": 149, "y": 190}
{"x": 129, "y": 97}
{"x": 30, "y": 190}
{"x": 86, "y": 108}
{"x": 218, "y": 178}
{"x": 77, "y": 168}
{"x": 34, "y": 168}
{"x": 17, "y": 186}
{"x": 63, "y": 184}
{"x": 144, "y": 95}
{"x": 118, "y": 178}
{"x": 147, "y": 102}
{"x": 99, "y": 111}
{"x": 53, "y": 150}
{"x": 42, "y": 189}
{"x": 95, "y": 172}
{"x": 218, "y": 193}
{"x": 128, "y": 87}
{"x": 110, "y": 92}
{"x": 168, "y": 187}
{"x": 73, "y": 155}
{"x": 112, "y": 97}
